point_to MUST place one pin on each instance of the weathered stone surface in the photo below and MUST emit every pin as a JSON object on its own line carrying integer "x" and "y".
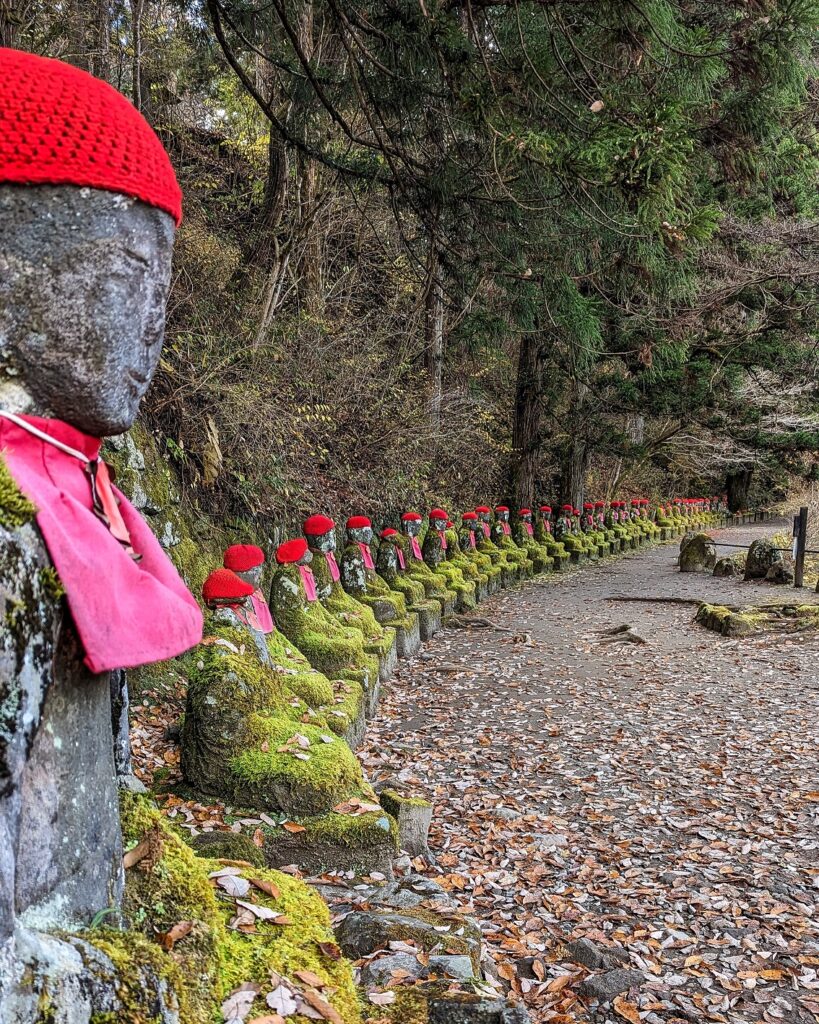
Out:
{"x": 414, "y": 817}
{"x": 364, "y": 932}
{"x": 605, "y": 987}
{"x": 697, "y": 553}
{"x": 762, "y": 556}
{"x": 458, "y": 967}
{"x": 463, "y": 1008}
{"x": 780, "y": 572}
{"x": 727, "y": 566}
{"x": 379, "y": 972}
{"x": 594, "y": 956}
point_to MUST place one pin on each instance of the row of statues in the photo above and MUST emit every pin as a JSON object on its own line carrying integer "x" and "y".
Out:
{"x": 338, "y": 618}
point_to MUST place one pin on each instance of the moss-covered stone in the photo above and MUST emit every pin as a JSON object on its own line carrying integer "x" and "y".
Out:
{"x": 15, "y": 507}
{"x": 434, "y": 555}
{"x": 435, "y": 584}
{"x": 171, "y": 885}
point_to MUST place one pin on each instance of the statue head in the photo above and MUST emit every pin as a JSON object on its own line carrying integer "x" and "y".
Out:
{"x": 525, "y": 515}
{"x": 89, "y": 204}
{"x": 320, "y": 533}
{"x": 359, "y": 530}
{"x": 294, "y": 552}
{"x": 225, "y": 594}
{"x": 470, "y": 521}
{"x": 438, "y": 519}
{"x": 411, "y": 523}
{"x": 546, "y": 512}
{"x": 502, "y": 513}
{"x": 484, "y": 513}
{"x": 247, "y": 561}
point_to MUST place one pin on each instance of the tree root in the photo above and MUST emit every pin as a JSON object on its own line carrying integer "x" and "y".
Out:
{"x": 460, "y": 622}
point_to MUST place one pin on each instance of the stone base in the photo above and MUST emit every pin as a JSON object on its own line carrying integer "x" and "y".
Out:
{"x": 336, "y": 842}
{"x": 408, "y": 638}
{"x": 429, "y": 619}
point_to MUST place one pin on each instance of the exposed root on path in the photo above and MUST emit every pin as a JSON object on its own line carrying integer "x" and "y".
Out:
{"x": 658, "y": 600}
{"x": 460, "y": 622}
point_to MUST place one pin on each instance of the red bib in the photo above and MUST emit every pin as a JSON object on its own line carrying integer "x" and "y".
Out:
{"x": 416, "y": 549}
{"x": 400, "y": 555}
{"x": 309, "y": 581}
{"x": 486, "y": 529}
{"x": 263, "y": 616}
{"x": 529, "y": 529}
{"x": 507, "y": 529}
{"x": 442, "y": 535}
{"x": 126, "y": 612}
{"x": 332, "y": 565}
{"x": 367, "y": 555}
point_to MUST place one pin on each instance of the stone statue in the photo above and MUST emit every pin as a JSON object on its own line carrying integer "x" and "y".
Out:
{"x": 336, "y": 650}
{"x": 523, "y": 535}
{"x": 320, "y": 532}
{"x": 470, "y": 570}
{"x": 436, "y": 584}
{"x": 85, "y": 588}
{"x": 434, "y": 551}
{"x": 359, "y": 578}
{"x": 468, "y": 543}
{"x": 510, "y": 569}
{"x": 247, "y": 561}
{"x": 545, "y": 536}
{"x": 391, "y": 566}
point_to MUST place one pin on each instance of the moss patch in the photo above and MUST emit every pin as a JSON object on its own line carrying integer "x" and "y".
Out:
{"x": 15, "y": 508}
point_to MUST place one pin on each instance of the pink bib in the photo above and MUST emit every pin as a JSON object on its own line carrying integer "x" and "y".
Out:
{"x": 529, "y": 529}
{"x": 126, "y": 612}
{"x": 416, "y": 549}
{"x": 367, "y": 555}
{"x": 263, "y": 616}
{"x": 471, "y": 539}
{"x": 332, "y": 565}
{"x": 507, "y": 529}
{"x": 486, "y": 529}
{"x": 309, "y": 581}
{"x": 442, "y": 535}
{"x": 400, "y": 555}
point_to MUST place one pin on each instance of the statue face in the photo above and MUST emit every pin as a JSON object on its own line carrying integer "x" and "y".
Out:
{"x": 361, "y": 535}
{"x": 84, "y": 276}
{"x": 412, "y": 527}
{"x": 438, "y": 524}
{"x": 306, "y": 558}
{"x": 324, "y": 543}
{"x": 503, "y": 516}
{"x": 252, "y": 576}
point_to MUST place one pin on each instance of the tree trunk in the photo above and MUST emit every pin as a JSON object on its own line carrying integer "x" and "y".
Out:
{"x": 573, "y": 472}
{"x": 528, "y": 418}
{"x": 737, "y": 484}
{"x": 434, "y": 337}
{"x": 13, "y": 18}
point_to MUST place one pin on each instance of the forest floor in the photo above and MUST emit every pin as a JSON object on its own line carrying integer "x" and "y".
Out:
{"x": 662, "y": 797}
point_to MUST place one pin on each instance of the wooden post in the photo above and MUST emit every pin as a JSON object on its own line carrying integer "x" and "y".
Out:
{"x": 801, "y": 533}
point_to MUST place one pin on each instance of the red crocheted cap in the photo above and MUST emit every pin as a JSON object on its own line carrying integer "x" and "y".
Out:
{"x": 62, "y": 126}
{"x": 567, "y": 508}
{"x": 389, "y": 532}
{"x": 358, "y": 522}
{"x": 482, "y": 509}
{"x": 291, "y": 550}
{"x": 501, "y": 508}
{"x": 438, "y": 513}
{"x": 241, "y": 557}
{"x": 449, "y": 524}
{"x": 315, "y": 526}
{"x": 635, "y": 501}
{"x": 525, "y": 512}
{"x": 576, "y": 511}
{"x": 588, "y": 506}
{"x": 470, "y": 517}
{"x": 411, "y": 517}
{"x": 224, "y": 585}
{"x": 600, "y": 504}
{"x": 545, "y": 508}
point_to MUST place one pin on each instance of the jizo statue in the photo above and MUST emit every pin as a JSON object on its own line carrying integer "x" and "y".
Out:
{"x": 88, "y": 206}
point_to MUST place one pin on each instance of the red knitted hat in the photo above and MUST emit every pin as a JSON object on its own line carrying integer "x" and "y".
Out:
{"x": 449, "y": 524}
{"x": 224, "y": 585}
{"x": 315, "y": 526}
{"x": 241, "y": 557}
{"x": 469, "y": 517}
{"x": 545, "y": 508}
{"x": 635, "y": 501}
{"x": 501, "y": 508}
{"x": 389, "y": 532}
{"x": 568, "y": 508}
{"x": 291, "y": 550}
{"x": 576, "y": 511}
{"x": 588, "y": 506}
{"x": 525, "y": 512}
{"x": 62, "y": 126}
{"x": 411, "y": 517}
{"x": 358, "y": 522}
{"x": 483, "y": 509}
{"x": 600, "y": 504}
{"x": 438, "y": 513}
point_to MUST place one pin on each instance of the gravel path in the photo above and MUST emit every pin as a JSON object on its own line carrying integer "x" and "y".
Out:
{"x": 658, "y": 797}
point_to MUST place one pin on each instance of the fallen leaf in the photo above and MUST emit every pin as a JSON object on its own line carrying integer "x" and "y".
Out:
{"x": 597, "y": 106}
{"x": 330, "y": 949}
{"x": 291, "y": 826}
{"x": 382, "y": 998}
{"x": 238, "y": 1003}
{"x": 282, "y": 1001}
{"x": 310, "y": 979}
{"x": 320, "y": 1004}
{"x": 234, "y": 885}
{"x": 269, "y": 887}
{"x": 628, "y": 1011}
{"x": 169, "y": 938}
{"x": 139, "y": 852}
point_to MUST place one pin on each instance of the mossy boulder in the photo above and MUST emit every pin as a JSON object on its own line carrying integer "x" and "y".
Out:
{"x": 763, "y": 555}
{"x": 697, "y": 553}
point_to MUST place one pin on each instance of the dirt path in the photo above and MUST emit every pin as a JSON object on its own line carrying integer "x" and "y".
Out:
{"x": 661, "y": 797}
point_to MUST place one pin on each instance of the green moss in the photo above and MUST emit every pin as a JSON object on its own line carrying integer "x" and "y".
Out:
{"x": 410, "y": 1006}
{"x": 51, "y": 583}
{"x": 228, "y": 846}
{"x": 15, "y": 508}
{"x": 392, "y": 802}
{"x": 212, "y": 960}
